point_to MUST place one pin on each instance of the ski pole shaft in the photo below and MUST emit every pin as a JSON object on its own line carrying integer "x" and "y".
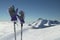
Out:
{"x": 14, "y": 31}
{"x": 21, "y": 30}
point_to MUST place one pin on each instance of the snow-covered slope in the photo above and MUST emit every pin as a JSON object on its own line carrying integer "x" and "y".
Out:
{"x": 51, "y": 33}
{"x": 48, "y": 33}
{"x": 7, "y": 29}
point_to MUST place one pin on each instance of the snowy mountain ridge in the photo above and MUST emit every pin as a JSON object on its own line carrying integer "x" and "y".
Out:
{"x": 44, "y": 23}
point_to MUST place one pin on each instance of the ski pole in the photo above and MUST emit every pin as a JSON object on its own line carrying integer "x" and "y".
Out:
{"x": 14, "y": 30}
{"x": 21, "y": 30}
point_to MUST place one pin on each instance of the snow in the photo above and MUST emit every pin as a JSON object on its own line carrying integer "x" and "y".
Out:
{"x": 48, "y": 33}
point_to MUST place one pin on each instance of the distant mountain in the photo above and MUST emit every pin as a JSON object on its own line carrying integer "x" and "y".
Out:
{"x": 44, "y": 23}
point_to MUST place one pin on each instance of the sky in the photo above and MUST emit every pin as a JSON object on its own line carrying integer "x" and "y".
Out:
{"x": 33, "y": 9}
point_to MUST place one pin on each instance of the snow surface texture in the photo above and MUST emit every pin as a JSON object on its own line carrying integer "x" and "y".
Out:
{"x": 29, "y": 33}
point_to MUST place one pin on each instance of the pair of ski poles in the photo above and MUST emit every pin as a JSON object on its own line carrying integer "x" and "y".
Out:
{"x": 15, "y": 31}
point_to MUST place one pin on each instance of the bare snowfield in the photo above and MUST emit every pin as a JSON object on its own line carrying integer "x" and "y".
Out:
{"x": 49, "y": 33}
